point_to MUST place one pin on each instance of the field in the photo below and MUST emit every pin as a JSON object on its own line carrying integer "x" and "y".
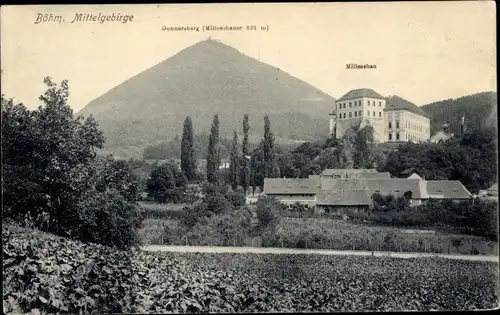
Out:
{"x": 53, "y": 274}
{"x": 317, "y": 234}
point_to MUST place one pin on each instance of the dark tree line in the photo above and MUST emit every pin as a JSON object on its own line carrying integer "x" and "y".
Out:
{"x": 471, "y": 159}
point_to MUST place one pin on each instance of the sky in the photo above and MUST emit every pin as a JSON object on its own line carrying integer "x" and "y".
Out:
{"x": 424, "y": 52}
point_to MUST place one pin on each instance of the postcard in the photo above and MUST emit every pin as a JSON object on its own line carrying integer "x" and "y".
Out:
{"x": 215, "y": 158}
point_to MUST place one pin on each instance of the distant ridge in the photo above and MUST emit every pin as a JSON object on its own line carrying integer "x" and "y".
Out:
{"x": 200, "y": 81}
{"x": 480, "y": 111}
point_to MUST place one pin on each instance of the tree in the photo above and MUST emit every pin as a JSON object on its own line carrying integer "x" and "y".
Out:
{"x": 234, "y": 163}
{"x": 53, "y": 179}
{"x": 363, "y": 147}
{"x": 167, "y": 183}
{"x": 118, "y": 175}
{"x": 457, "y": 242}
{"x": 258, "y": 167}
{"x": 188, "y": 162}
{"x": 268, "y": 212}
{"x": 213, "y": 158}
{"x": 46, "y": 157}
{"x": 269, "y": 155}
{"x": 245, "y": 164}
{"x": 470, "y": 159}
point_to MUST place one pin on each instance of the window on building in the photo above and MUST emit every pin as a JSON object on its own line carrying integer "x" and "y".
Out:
{"x": 374, "y": 114}
{"x": 379, "y": 104}
{"x": 390, "y": 136}
{"x": 350, "y": 105}
{"x": 360, "y": 113}
{"x": 390, "y": 125}
{"x": 368, "y": 113}
{"x": 344, "y": 115}
{"x": 368, "y": 103}
{"x": 355, "y": 114}
{"x": 397, "y": 124}
{"x": 350, "y": 114}
{"x": 397, "y": 135}
{"x": 379, "y": 114}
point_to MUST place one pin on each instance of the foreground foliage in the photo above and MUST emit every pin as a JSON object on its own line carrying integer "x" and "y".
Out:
{"x": 56, "y": 275}
{"x": 53, "y": 180}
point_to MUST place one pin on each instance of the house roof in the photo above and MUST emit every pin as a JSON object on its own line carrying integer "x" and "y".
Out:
{"x": 375, "y": 175}
{"x": 344, "y": 198}
{"x": 447, "y": 189}
{"x": 383, "y": 186}
{"x": 407, "y": 171}
{"x": 494, "y": 187}
{"x": 291, "y": 186}
{"x": 414, "y": 176}
{"x": 440, "y": 135}
{"x": 360, "y": 93}
{"x": 341, "y": 171}
{"x": 325, "y": 188}
{"x": 396, "y": 102}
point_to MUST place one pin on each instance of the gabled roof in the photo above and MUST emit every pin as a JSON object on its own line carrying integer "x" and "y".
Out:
{"x": 375, "y": 175}
{"x": 344, "y": 198}
{"x": 407, "y": 171}
{"x": 360, "y": 93}
{"x": 383, "y": 186}
{"x": 447, "y": 189}
{"x": 396, "y": 102}
{"x": 291, "y": 186}
{"x": 494, "y": 187}
{"x": 414, "y": 176}
{"x": 350, "y": 171}
{"x": 440, "y": 135}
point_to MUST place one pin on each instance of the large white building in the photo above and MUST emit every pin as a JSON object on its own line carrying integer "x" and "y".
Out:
{"x": 394, "y": 119}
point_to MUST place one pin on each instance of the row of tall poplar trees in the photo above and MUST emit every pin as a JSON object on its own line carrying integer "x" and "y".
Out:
{"x": 240, "y": 167}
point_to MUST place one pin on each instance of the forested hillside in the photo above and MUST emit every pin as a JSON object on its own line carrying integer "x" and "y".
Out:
{"x": 480, "y": 110}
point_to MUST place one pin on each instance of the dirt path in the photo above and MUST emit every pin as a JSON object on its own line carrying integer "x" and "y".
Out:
{"x": 266, "y": 250}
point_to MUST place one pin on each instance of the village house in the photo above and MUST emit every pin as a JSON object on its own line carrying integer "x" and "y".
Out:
{"x": 442, "y": 135}
{"x": 327, "y": 194}
{"x": 290, "y": 191}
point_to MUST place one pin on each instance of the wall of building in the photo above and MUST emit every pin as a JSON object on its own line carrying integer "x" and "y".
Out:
{"x": 307, "y": 200}
{"x": 357, "y": 110}
{"x": 402, "y": 125}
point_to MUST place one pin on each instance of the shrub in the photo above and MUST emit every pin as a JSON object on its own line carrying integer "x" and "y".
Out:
{"x": 267, "y": 211}
{"x": 107, "y": 218}
{"x": 236, "y": 198}
{"x": 191, "y": 215}
{"x": 167, "y": 183}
